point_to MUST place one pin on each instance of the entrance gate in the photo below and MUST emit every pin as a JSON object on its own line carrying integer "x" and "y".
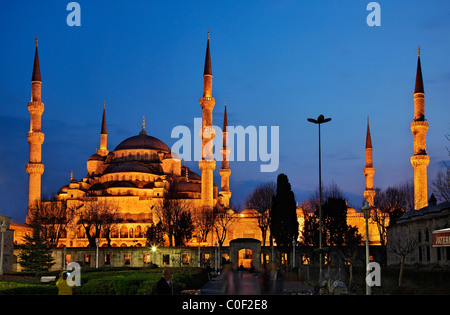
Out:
{"x": 245, "y": 243}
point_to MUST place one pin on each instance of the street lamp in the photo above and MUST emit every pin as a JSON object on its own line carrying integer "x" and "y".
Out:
{"x": 97, "y": 241}
{"x": 366, "y": 211}
{"x": 320, "y": 120}
{"x": 216, "y": 259}
{"x": 3, "y": 229}
{"x": 198, "y": 240}
{"x": 154, "y": 254}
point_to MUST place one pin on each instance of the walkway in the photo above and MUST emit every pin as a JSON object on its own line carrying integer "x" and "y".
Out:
{"x": 250, "y": 284}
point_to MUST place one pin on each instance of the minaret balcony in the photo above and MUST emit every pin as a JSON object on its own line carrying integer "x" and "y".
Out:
{"x": 35, "y": 137}
{"x": 35, "y": 168}
{"x": 207, "y": 102}
{"x": 35, "y": 108}
{"x": 419, "y": 126}
{"x": 420, "y": 160}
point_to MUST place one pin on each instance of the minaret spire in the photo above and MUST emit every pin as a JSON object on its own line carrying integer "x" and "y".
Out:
{"x": 36, "y": 76}
{"x": 419, "y": 128}
{"x": 225, "y": 172}
{"x": 207, "y": 164}
{"x": 35, "y": 137}
{"x": 369, "y": 171}
{"x": 103, "y": 135}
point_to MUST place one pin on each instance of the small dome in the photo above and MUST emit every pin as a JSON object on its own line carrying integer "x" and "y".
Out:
{"x": 184, "y": 186}
{"x": 96, "y": 157}
{"x": 143, "y": 141}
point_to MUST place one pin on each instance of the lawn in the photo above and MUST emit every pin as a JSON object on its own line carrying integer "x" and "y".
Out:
{"x": 107, "y": 281}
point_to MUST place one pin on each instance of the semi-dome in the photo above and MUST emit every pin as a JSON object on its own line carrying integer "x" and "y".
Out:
{"x": 143, "y": 141}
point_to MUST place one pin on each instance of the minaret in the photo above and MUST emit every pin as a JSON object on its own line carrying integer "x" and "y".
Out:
{"x": 225, "y": 172}
{"x": 369, "y": 171}
{"x": 103, "y": 136}
{"x": 207, "y": 164}
{"x": 419, "y": 128}
{"x": 35, "y": 137}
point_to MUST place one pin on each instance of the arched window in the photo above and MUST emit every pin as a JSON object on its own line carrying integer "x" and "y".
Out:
{"x": 138, "y": 232}
{"x": 81, "y": 233}
{"x": 124, "y": 232}
{"x": 114, "y": 233}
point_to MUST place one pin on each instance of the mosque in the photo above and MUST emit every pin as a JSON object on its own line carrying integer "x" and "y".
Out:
{"x": 141, "y": 171}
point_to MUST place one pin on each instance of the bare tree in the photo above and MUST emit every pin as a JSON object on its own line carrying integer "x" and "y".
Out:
{"x": 390, "y": 204}
{"x": 224, "y": 218}
{"x": 52, "y": 217}
{"x": 97, "y": 216}
{"x": 441, "y": 185}
{"x": 260, "y": 199}
{"x": 402, "y": 247}
{"x": 172, "y": 213}
{"x": 204, "y": 219}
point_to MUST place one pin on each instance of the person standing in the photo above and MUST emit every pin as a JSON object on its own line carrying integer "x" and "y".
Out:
{"x": 63, "y": 287}
{"x": 163, "y": 286}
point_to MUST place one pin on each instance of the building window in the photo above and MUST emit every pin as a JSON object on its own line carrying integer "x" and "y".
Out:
{"x": 138, "y": 232}
{"x": 185, "y": 259}
{"x": 87, "y": 259}
{"x": 107, "y": 259}
{"x": 166, "y": 260}
{"x": 127, "y": 259}
{"x": 147, "y": 259}
{"x": 68, "y": 259}
{"x": 123, "y": 232}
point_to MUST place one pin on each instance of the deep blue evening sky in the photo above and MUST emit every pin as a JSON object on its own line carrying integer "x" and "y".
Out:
{"x": 277, "y": 63}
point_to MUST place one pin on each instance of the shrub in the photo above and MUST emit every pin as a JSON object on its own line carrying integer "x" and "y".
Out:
{"x": 30, "y": 290}
{"x": 98, "y": 287}
{"x": 127, "y": 286}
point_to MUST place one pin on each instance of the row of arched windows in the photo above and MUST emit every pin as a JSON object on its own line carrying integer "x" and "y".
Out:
{"x": 123, "y": 232}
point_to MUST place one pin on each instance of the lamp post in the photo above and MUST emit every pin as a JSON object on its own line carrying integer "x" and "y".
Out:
{"x": 97, "y": 241}
{"x": 320, "y": 120}
{"x": 3, "y": 229}
{"x": 154, "y": 254}
{"x": 199, "y": 258}
{"x": 216, "y": 259}
{"x": 366, "y": 211}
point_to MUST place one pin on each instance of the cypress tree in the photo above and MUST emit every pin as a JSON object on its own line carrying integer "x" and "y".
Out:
{"x": 284, "y": 224}
{"x": 36, "y": 254}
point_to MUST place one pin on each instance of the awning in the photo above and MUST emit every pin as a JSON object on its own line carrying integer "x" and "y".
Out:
{"x": 441, "y": 237}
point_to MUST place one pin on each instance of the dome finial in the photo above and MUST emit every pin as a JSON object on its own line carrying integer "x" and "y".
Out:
{"x": 143, "y": 132}
{"x": 71, "y": 175}
{"x": 418, "y": 51}
{"x": 36, "y": 41}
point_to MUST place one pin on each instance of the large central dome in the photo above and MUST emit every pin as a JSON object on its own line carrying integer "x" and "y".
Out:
{"x": 143, "y": 141}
